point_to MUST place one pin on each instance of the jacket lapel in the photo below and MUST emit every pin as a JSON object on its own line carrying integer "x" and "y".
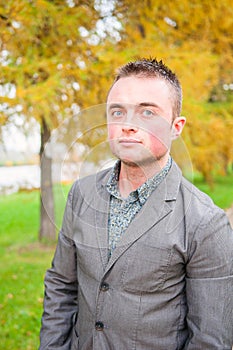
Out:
{"x": 101, "y": 218}
{"x": 157, "y": 207}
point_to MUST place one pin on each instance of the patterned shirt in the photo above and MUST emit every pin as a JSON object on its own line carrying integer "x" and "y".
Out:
{"x": 122, "y": 211}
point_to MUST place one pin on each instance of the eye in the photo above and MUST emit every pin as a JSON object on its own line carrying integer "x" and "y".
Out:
{"x": 117, "y": 113}
{"x": 147, "y": 113}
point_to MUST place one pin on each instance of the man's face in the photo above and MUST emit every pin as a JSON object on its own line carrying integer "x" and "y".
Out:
{"x": 139, "y": 114}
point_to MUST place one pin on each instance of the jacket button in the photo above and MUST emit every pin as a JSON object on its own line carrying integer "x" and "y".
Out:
{"x": 104, "y": 287}
{"x": 99, "y": 326}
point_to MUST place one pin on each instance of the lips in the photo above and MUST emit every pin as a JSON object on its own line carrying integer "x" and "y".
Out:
{"x": 129, "y": 140}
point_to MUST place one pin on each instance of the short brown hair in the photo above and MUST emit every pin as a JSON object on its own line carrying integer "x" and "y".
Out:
{"x": 150, "y": 67}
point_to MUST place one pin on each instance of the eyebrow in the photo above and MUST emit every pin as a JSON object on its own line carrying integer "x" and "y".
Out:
{"x": 147, "y": 104}
{"x": 142, "y": 104}
{"x": 115, "y": 105}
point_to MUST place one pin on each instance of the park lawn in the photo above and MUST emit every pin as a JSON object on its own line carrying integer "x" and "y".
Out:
{"x": 23, "y": 264}
{"x": 221, "y": 192}
{"x": 24, "y": 261}
{"x": 21, "y": 295}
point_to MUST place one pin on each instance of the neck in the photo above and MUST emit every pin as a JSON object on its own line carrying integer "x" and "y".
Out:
{"x": 133, "y": 176}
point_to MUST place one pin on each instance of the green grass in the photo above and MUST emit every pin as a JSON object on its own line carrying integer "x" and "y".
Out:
{"x": 21, "y": 295}
{"x": 221, "y": 192}
{"x": 24, "y": 261}
{"x": 23, "y": 264}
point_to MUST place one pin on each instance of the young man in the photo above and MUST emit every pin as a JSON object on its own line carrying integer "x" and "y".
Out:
{"x": 144, "y": 259}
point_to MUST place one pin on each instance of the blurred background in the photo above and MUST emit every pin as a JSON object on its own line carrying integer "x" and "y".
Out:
{"x": 58, "y": 60}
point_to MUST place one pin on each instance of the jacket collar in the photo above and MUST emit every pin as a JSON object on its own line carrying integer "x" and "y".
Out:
{"x": 158, "y": 206}
{"x": 169, "y": 187}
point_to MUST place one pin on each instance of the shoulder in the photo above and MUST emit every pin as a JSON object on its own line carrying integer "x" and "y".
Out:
{"x": 197, "y": 196}
{"x": 200, "y": 210}
{"x": 96, "y": 179}
{"x": 193, "y": 201}
{"x": 89, "y": 185}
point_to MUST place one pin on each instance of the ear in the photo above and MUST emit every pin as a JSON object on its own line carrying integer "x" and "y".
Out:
{"x": 177, "y": 126}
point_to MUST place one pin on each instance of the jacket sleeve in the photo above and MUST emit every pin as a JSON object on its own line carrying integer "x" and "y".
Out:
{"x": 209, "y": 284}
{"x": 61, "y": 288}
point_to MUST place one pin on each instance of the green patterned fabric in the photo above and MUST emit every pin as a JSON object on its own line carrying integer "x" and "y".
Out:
{"x": 123, "y": 210}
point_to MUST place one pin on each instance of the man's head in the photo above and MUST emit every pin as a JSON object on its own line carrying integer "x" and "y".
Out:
{"x": 143, "y": 112}
{"x": 151, "y": 68}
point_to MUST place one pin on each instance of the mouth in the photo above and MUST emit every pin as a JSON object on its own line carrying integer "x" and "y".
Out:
{"x": 129, "y": 141}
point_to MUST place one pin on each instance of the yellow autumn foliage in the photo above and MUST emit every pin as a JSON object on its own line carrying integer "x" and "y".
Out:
{"x": 55, "y": 63}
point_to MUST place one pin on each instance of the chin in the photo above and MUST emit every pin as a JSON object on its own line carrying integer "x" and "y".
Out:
{"x": 144, "y": 161}
{"x": 140, "y": 157}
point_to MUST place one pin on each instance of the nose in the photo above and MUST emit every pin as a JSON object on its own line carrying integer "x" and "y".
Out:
{"x": 129, "y": 128}
{"x": 129, "y": 124}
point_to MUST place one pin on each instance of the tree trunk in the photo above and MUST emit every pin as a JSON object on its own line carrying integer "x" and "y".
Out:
{"x": 47, "y": 222}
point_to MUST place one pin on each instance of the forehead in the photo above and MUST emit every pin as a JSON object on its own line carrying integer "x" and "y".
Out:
{"x": 135, "y": 90}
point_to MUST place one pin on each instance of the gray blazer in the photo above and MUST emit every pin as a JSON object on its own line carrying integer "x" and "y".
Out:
{"x": 167, "y": 286}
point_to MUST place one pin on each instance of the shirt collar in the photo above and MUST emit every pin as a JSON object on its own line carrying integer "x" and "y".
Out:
{"x": 144, "y": 191}
{"x": 112, "y": 184}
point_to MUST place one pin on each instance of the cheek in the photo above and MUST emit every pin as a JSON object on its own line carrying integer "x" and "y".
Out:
{"x": 159, "y": 139}
{"x": 113, "y": 131}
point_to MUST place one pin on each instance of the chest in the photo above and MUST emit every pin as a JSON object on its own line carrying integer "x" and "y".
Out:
{"x": 145, "y": 260}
